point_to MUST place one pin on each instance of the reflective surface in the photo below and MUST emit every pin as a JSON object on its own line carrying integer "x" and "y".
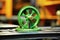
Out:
{"x": 7, "y": 25}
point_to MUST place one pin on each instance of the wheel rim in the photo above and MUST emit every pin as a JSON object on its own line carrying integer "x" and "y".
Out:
{"x": 27, "y": 17}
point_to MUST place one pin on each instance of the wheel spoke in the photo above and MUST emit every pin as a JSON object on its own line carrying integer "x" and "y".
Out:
{"x": 26, "y": 25}
{"x": 27, "y": 12}
{"x": 23, "y": 14}
{"x": 32, "y": 12}
{"x": 31, "y": 24}
{"x": 35, "y": 17}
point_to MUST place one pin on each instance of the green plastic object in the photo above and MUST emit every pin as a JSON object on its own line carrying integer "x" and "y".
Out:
{"x": 18, "y": 29}
{"x": 28, "y": 18}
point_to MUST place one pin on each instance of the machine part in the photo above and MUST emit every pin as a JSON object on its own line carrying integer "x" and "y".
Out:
{"x": 27, "y": 30}
{"x": 28, "y": 14}
{"x": 28, "y": 18}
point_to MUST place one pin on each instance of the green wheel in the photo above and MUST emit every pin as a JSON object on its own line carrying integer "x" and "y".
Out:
{"x": 28, "y": 17}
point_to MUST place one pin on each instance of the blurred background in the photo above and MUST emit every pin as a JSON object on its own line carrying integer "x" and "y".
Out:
{"x": 47, "y": 8}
